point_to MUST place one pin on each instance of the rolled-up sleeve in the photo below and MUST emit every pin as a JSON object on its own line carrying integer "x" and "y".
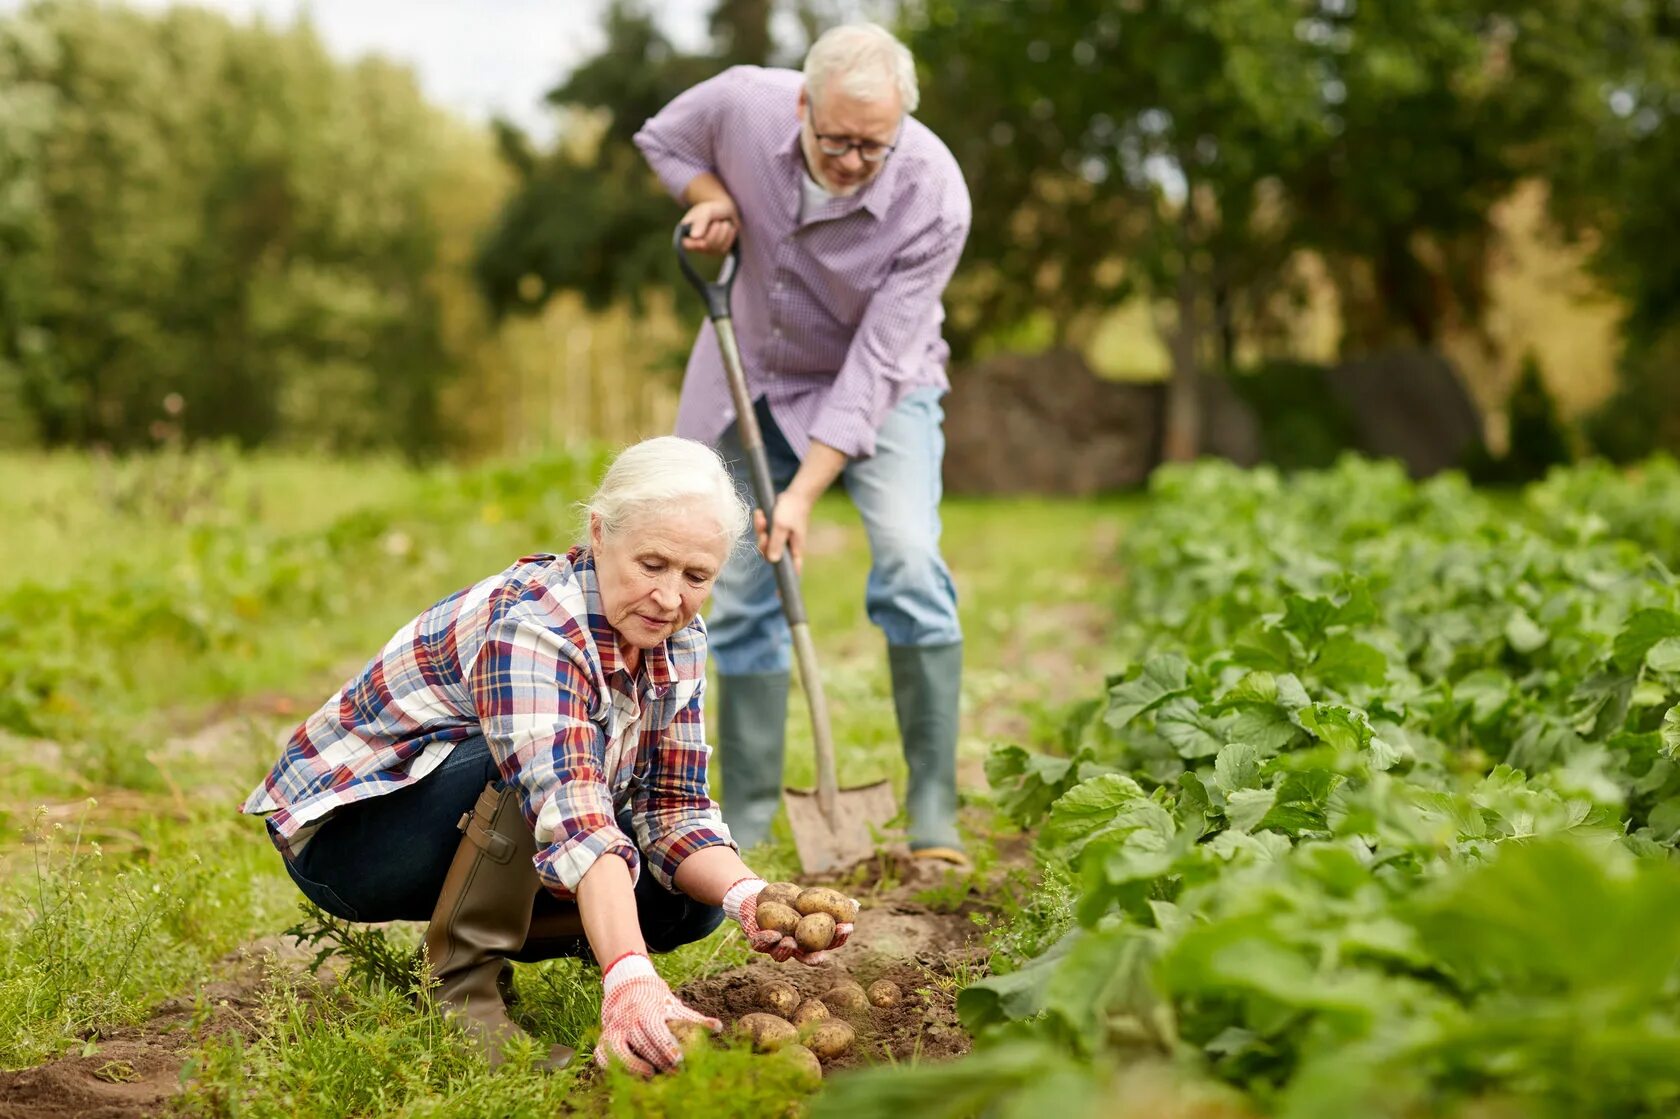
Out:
{"x": 531, "y": 689}
{"x": 675, "y": 816}
{"x": 903, "y": 313}
{"x": 679, "y": 142}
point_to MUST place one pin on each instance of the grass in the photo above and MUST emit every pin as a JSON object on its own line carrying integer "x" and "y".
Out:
{"x": 143, "y": 601}
{"x": 94, "y": 940}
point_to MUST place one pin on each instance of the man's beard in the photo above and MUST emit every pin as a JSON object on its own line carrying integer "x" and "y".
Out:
{"x": 813, "y": 166}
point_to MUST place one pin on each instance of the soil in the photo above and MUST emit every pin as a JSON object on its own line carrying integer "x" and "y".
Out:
{"x": 132, "y": 1071}
{"x": 926, "y": 952}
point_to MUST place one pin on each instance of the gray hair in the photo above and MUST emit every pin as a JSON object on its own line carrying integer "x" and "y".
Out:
{"x": 665, "y": 475}
{"x": 865, "y": 59}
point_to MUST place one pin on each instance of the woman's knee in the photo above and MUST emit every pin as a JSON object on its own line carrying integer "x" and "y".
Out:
{"x": 321, "y": 893}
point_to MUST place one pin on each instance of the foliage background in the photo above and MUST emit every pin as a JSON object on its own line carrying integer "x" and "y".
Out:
{"x": 216, "y": 230}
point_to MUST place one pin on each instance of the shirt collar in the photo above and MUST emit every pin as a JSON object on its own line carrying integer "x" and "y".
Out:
{"x": 656, "y": 662}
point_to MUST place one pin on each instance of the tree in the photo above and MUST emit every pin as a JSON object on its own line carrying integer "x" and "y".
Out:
{"x": 28, "y": 114}
{"x": 225, "y": 214}
{"x": 1614, "y": 187}
{"x": 1185, "y": 152}
{"x": 589, "y": 216}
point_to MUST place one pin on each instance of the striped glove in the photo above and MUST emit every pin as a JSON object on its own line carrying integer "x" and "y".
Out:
{"x": 740, "y": 904}
{"x": 637, "y": 1009}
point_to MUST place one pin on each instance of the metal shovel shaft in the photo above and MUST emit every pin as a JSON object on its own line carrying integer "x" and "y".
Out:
{"x": 716, "y": 295}
{"x": 787, "y": 576}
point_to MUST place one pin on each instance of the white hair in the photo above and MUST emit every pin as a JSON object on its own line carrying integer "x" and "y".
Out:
{"x": 662, "y": 476}
{"x": 865, "y": 59}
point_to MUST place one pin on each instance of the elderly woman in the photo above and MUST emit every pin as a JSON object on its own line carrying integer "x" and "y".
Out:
{"x": 524, "y": 766}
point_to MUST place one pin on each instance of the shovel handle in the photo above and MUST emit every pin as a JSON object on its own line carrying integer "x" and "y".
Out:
{"x": 715, "y": 293}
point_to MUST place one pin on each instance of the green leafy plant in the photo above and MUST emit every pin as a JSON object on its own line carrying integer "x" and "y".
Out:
{"x": 1390, "y": 774}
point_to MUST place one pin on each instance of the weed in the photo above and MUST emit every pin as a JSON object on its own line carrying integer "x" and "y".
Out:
{"x": 354, "y": 1051}
{"x": 1025, "y": 930}
{"x": 371, "y": 956}
{"x": 94, "y": 940}
{"x": 952, "y": 892}
{"x": 78, "y": 963}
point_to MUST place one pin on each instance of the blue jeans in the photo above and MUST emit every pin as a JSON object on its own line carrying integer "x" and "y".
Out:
{"x": 384, "y": 859}
{"x": 910, "y": 595}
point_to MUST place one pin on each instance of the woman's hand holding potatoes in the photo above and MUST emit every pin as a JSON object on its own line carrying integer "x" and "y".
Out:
{"x": 790, "y": 923}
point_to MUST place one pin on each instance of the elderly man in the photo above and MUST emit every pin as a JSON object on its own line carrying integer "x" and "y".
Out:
{"x": 852, "y": 216}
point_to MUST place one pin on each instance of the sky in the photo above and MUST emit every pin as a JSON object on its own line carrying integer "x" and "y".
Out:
{"x": 477, "y": 57}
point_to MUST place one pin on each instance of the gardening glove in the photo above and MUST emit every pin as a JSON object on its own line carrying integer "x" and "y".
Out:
{"x": 740, "y": 904}
{"x": 637, "y": 1009}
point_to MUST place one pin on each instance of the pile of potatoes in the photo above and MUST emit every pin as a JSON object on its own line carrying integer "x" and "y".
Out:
{"x": 809, "y": 914}
{"x": 809, "y": 1031}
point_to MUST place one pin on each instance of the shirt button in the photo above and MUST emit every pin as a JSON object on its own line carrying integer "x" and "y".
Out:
{"x": 777, "y": 332}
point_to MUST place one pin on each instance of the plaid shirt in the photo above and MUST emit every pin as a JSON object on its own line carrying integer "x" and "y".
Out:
{"x": 526, "y": 659}
{"x": 837, "y": 310}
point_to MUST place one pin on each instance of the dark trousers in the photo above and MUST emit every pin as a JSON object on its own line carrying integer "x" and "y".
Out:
{"x": 384, "y": 859}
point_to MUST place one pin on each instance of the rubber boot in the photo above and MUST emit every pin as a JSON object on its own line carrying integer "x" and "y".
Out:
{"x": 927, "y": 684}
{"x": 752, "y": 728}
{"x": 483, "y": 914}
{"x": 554, "y": 936}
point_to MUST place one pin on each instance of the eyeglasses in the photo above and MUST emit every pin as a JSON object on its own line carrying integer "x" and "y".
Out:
{"x": 870, "y": 151}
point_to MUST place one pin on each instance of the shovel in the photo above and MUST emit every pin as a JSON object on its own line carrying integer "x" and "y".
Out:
{"x": 834, "y": 828}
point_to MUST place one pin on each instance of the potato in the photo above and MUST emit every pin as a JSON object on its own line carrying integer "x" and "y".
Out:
{"x": 767, "y": 1031}
{"x": 883, "y": 993}
{"x": 782, "y": 893}
{"x": 821, "y": 899}
{"x": 810, "y": 1069}
{"x": 846, "y": 997}
{"x": 814, "y": 932}
{"x": 780, "y": 918}
{"x": 831, "y": 1039}
{"x": 809, "y": 1012}
{"x": 778, "y": 996}
{"x": 692, "y": 1036}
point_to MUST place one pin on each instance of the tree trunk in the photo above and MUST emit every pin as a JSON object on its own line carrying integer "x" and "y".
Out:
{"x": 1182, "y": 440}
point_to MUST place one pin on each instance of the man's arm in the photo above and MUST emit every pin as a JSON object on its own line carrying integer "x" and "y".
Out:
{"x": 792, "y": 517}
{"x": 712, "y": 217}
{"x": 898, "y": 312}
{"x": 679, "y": 143}
{"x": 858, "y": 403}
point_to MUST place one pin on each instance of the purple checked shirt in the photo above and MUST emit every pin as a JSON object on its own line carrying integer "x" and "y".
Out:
{"x": 838, "y": 316}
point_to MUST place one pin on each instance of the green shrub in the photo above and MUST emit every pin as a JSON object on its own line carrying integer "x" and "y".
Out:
{"x": 1538, "y": 438}
{"x": 1303, "y": 425}
{"x": 1643, "y": 417}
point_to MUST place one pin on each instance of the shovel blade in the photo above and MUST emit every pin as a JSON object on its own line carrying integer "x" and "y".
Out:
{"x": 824, "y": 847}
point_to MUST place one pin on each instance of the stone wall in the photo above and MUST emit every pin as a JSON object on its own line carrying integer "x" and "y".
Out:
{"x": 1044, "y": 423}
